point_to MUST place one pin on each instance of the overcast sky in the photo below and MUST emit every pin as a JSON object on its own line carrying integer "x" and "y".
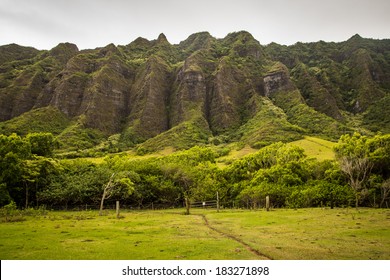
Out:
{"x": 95, "y": 23}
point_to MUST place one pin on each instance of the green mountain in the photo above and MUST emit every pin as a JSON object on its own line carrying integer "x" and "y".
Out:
{"x": 203, "y": 90}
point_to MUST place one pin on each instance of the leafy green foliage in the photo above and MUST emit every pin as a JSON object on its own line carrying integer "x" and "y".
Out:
{"x": 79, "y": 137}
{"x": 307, "y": 118}
{"x": 364, "y": 160}
{"x": 42, "y": 144}
{"x": 76, "y": 181}
{"x": 268, "y": 126}
{"x": 182, "y": 136}
{"x": 285, "y": 174}
{"x": 281, "y": 171}
{"x": 377, "y": 118}
{"x": 13, "y": 151}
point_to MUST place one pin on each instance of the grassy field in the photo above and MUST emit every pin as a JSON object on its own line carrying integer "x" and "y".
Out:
{"x": 138, "y": 235}
{"x": 312, "y": 233}
{"x": 233, "y": 155}
{"x": 206, "y": 234}
{"x": 316, "y": 147}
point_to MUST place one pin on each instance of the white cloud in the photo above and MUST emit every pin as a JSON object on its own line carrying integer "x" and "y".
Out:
{"x": 94, "y": 23}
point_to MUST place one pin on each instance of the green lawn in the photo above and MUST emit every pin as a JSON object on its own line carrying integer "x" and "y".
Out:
{"x": 278, "y": 234}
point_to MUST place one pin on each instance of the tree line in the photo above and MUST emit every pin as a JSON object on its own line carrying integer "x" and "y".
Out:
{"x": 31, "y": 176}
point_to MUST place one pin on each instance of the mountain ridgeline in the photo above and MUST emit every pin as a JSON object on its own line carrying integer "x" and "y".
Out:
{"x": 203, "y": 90}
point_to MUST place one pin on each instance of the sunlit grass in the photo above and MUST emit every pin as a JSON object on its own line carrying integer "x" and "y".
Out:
{"x": 137, "y": 235}
{"x": 235, "y": 154}
{"x": 312, "y": 233}
{"x": 280, "y": 234}
{"x": 315, "y": 147}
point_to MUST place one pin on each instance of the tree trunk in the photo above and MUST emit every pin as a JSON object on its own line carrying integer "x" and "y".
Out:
{"x": 188, "y": 205}
{"x": 26, "y": 196}
{"x": 106, "y": 193}
{"x": 102, "y": 202}
{"x": 385, "y": 189}
{"x": 356, "y": 200}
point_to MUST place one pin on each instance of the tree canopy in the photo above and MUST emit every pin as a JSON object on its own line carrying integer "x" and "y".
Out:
{"x": 31, "y": 176}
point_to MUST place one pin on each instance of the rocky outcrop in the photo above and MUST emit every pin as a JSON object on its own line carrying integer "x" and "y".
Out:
{"x": 277, "y": 79}
{"x": 14, "y": 52}
{"x": 63, "y": 52}
{"x": 243, "y": 44}
{"x": 196, "y": 42}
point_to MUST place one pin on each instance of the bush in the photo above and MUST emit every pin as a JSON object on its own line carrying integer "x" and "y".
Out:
{"x": 11, "y": 213}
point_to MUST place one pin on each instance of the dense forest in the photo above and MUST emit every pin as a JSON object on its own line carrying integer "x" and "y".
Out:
{"x": 31, "y": 175}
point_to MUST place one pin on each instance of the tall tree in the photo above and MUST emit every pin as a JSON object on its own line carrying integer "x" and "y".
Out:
{"x": 182, "y": 177}
{"x": 116, "y": 181}
{"x": 385, "y": 192}
{"x": 30, "y": 174}
{"x": 14, "y": 150}
{"x": 354, "y": 157}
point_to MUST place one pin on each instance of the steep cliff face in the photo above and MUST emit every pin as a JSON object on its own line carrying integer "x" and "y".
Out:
{"x": 148, "y": 102}
{"x": 366, "y": 76}
{"x": 229, "y": 95}
{"x": 93, "y": 84}
{"x": 333, "y": 77}
{"x": 105, "y": 99}
{"x": 202, "y": 89}
{"x": 23, "y": 80}
{"x": 189, "y": 95}
{"x": 315, "y": 93}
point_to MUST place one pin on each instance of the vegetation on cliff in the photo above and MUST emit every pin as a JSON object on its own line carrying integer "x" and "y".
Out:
{"x": 227, "y": 90}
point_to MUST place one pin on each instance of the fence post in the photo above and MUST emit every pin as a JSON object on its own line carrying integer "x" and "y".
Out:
{"x": 267, "y": 202}
{"x": 217, "y": 202}
{"x": 188, "y": 205}
{"x": 117, "y": 209}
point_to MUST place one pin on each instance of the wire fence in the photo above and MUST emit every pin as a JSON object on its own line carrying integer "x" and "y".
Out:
{"x": 205, "y": 204}
{"x": 112, "y": 206}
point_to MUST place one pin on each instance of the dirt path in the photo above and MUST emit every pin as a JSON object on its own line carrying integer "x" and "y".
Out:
{"x": 246, "y": 245}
